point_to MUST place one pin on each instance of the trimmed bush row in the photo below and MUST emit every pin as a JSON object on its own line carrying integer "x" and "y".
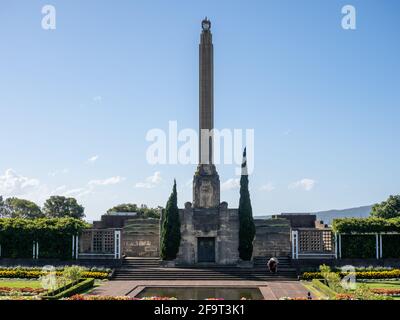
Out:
{"x": 366, "y": 225}
{"x": 54, "y": 236}
{"x": 323, "y": 288}
{"x": 26, "y": 274}
{"x": 390, "y": 274}
{"x": 70, "y": 289}
{"x": 57, "y": 268}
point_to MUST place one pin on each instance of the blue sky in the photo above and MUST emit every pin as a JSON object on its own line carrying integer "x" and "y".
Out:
{"x": 323, "y": 101}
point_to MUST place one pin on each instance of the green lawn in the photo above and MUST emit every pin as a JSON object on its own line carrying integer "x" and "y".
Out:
{"x": 373, "y": 284}
{"x": 315, "y": 292}
{"x": 97, "y": 283}
{"x": 389, "y": 284}
{"x": 17, "y": 283}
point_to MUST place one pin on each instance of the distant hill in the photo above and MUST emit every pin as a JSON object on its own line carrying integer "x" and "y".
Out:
{"x": 328, "y": 216}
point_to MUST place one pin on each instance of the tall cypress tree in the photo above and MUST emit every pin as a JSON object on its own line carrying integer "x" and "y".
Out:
{"x": 171, "y": 228}
{"x": 247, "y": 229}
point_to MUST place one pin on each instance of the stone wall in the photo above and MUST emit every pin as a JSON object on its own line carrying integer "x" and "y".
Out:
{"x": 219, "y": 223}
{"x": 298, "y": 220}
{"x": 112, "y": 221}
{"x": 140, "y": 238}
{"x": 272, "y": 238}
{"x": 105, "y": 263}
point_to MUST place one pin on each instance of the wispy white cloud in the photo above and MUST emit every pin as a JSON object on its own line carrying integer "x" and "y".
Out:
{"x": 77, "y": 192}
{"x": 150, "y": 182}
{"x": 304, "y": 184}
{"x": 106, "y": 182}
{"x": 91, "y": 187}
{"x": 93, "y": 159}
{"x": 287, "y": 132}
{"x": 267, "y": 187}
{"x": 230, "y": 184}
{"x": 11, "y": 183}
{"x": 60, "y": 189}
{"x": 58, "y": 172}
{"x": 98, "y": 99}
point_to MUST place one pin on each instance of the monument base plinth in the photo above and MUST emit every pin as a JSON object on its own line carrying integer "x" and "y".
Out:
{"x": 209, "y": 235}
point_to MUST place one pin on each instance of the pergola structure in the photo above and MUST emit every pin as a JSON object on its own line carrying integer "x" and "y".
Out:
{"x": 324, "y": 243}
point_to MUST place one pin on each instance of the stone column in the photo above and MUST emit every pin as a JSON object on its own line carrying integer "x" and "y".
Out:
{"x": 206, "y": 94}
{"x": 206, "y": 184}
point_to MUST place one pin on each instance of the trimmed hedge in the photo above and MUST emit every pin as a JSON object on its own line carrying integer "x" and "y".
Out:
{"x": 70, "y": 289}
{"x": 34, "y": 274}
{"x": 53, "y": 235}
{"x": 357, "y": 243}
{"x": 366, "y": 225}
{"x": 358, "y": 246}
{"x": 318, "y": 284}
{"x": 390, "y": 274}
{"x": 390, "y": 246}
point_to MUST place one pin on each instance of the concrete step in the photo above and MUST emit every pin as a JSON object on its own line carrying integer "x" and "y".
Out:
{"x": 149, "y": 269}
{"x": 288, "y": 274}
{"x": 203, "y": 274}
{"x": 284, "y": 262}
{"x": 131, "y": 277}
{"x": 272, "y": 278}
{"x": 141, "y": 263}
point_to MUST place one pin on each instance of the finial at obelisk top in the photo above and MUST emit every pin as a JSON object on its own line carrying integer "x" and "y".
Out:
{"x": 206, "y": 24}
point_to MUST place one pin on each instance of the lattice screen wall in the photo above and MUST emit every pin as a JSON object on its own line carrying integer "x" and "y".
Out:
{"x": 315, "y": 241}
{"x": 98, "y": 241}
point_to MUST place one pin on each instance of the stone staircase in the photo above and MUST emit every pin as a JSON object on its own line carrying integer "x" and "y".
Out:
{"x": 140, "y": 263}
{"x": 149, "y": 269}
{"x": 261, "y": 262}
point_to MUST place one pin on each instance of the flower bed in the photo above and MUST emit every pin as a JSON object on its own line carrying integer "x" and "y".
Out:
{"x": 388, "y": 274}
{"x": 386, "y": 292}
{"x": 8, "y": 291}
{"x": 31, "y": 274}
{"x": 345, "y": 296}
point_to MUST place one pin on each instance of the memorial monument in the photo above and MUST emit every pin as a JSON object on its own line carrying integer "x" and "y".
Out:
{"x": 209, "y": 230}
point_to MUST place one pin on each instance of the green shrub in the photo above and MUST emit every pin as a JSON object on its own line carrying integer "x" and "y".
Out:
{"x": 390, "y": 246}
{"x": 323, "y": 288}
{"x": 53, "y": 235}
{"x": 366, "y": 225}
{"x": 358, "y": 246}
{"x": 385, "y": 274}
{"x": 247, "y": 228}
{"x": 332, "y": 279}
{"x": 73, "y": 273}
{"x": 170, "y": 228}
{"x": 70, "y": 289}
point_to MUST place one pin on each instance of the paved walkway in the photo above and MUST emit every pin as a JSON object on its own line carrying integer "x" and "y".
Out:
{"x": 270, "y": 290}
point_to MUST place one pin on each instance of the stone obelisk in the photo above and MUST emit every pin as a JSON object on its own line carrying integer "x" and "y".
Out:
{"x": 206, "y": 184}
